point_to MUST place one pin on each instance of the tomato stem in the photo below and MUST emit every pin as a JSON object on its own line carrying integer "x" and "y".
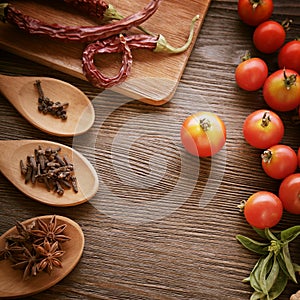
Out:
{"x": 255, "y": 3}
{"x": 204, "y": 124}
{"x": 286, "y": 24}
{"x": 241, "y": 206}
{"x": 266, "y": 119}
{"x": 289, "y": 81}
{"x": 267, "y": 156}
{"x": 246, "y": 56}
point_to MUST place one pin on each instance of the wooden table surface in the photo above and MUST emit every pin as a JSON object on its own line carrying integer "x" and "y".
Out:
{"x": 163, "y": 223}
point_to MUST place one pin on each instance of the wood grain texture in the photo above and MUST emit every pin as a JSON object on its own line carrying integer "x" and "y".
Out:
{"x": 188, "y": 250}
{"x": 154, "y": 76}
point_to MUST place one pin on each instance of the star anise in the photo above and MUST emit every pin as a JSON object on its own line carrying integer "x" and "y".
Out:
{"x": 51, "y": 256}
{"x": 24, "y": 233}
{"x": 50, "y": 232}
{"x": 10, "y": 250}
{"x": 35, "y": 247}
{"x": 26, "y": 261}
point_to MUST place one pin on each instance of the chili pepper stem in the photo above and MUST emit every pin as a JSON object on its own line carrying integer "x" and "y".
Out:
{"x": 164, "y": 46}
{"x": 112, "y": 14}
{"x": 3, "y": 7}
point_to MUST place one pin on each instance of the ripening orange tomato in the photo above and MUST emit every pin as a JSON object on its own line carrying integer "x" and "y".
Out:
{"x": 203, "y": 134}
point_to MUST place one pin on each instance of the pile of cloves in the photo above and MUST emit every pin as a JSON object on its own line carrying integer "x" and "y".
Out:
{"x": 50, "y": 168}
{"x": 47, "y": 106}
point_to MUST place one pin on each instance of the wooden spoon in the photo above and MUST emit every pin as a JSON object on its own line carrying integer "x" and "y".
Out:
{"x": 23, "y": 95}
{"x": 12, "y": 284}
{"x": 14, "y": 151}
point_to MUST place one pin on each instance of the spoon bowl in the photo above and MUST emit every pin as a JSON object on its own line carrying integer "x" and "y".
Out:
{"x": 12, "y": 284}
{"x": 13, "y": 151}
{"x": 23, "y": 95}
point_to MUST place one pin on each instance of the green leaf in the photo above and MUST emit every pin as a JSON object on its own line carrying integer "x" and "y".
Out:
{"x": 266, "y": 265}
{"x": 260, "y": 232}
{"x": 270, "y": 236}
{"x": 279, "y": 286}
{"x": 290, "y": 234}
{"x": 254, "y": 275}
{"x": 252, "y": 245}
{"x": 288, "y": 262}
{"x": 296, "y": 268}
{"x": 246, "y": 280}
{"x": 273, "y": 274}
{"x": 257, "y": 296}
{"x": 283, "y": 266}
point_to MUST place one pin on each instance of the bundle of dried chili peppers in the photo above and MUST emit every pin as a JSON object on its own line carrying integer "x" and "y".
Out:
{"x": 124, "y": 44}
{"x": 105, "y": 38}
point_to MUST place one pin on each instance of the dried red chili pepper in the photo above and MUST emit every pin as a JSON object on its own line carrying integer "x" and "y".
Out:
{"x": 97, "y": 9}
{"x": 110, "y": 45}
{"x": 75, "y": 33}
{"x": 94, "y": 8}
{"x": 125, "y": 44}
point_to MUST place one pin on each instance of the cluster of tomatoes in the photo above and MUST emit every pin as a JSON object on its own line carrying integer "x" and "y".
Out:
{"x": 264, "y": 129}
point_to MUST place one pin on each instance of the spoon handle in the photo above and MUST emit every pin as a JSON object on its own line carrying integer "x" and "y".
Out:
{"x": 9, "y": 85}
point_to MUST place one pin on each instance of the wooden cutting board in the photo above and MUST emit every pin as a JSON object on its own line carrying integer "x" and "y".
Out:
{"x": 154, "y": 76}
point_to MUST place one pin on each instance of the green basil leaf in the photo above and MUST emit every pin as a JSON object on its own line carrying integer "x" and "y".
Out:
{"x": 260, "y": 232}
{"x": 290, "y": 234}
{"x": 257, "y": 296}
{"x": 246, "y": 280}
{"x": 273, "y": 274}
{"x": 254, "y": 275}
{"x": 283, "y": 266}
{"x": 266, "y": 266}
{"x": 252, "y": 245}
{"x": 279, "y": 286}
{"x": 288, "y": 262}
{"x": 296, "y": 268}
{"x": 270, "y": 236}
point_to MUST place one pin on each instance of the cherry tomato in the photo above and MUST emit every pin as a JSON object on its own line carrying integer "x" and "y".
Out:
{"x": 281, "y": 90}
{"x": 263, "y": 210}
{"x": 263, "y": 129}
{"x": 289, "y": 193}
{"x": 279, "y": 161}
{"x": 251, "y": 74}
{"x": 203, "y": 134}
{"x": 298, "y": 154}
{"x": 254, "y": 12}
{"x": 289, "y": 56}
{"x": 269, "y": 36}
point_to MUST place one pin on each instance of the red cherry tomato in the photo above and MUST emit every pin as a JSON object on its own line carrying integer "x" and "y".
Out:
{"x": 279, "y": 161}
{"x": 203, "y": 134}
{"x": 251, "y": 74}
{"x": 254, "y": 12}
{"x": 289, "y": 193}
{"x": 298, "y": 154}
{"x": 289, "y": 56}
{"x": 269, "y": 36}
{"x": 263, "y": 129}
{"x": 263, "y": 210}
{"x": 281, "y": 90}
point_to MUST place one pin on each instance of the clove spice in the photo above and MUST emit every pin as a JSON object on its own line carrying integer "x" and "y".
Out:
{"x": 48, "y": 167}
{"x": 47, "y": 106}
